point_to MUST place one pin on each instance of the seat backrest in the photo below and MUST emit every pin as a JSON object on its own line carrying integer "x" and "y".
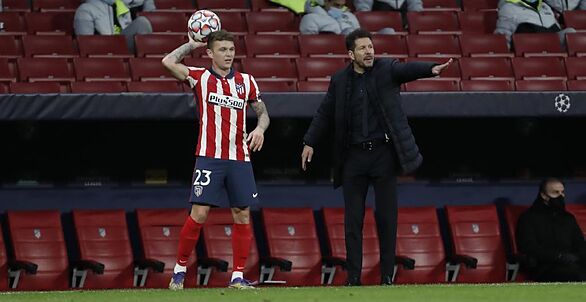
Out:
{"x": 149, "y": 69}
{"x": 234, "y": 22}
{"x": 576, "y": 68}
{"x": 374, "y": 21}
{"x": 51, "y": 46}
{"x": 575, "y": 19}
{"x": 426, "y": 22}
{"x": 96, "y": 46}
{"x": 167, "y": 22}
{"x": 101, "y": 69}
{"x": 441, "y": 5}
{"x": 434, "y": 45}
{"x": 539, "y": 68}
{"x": 274, "y": 22}
{"x": 157, "y": 46}
{"x": 541, "y": 85}
{"x": 217, "y": 238}
{"x": 11, "y": 48}
{"x": 512, "y": 214}
{"x": 576, "y": 85}
{"x": 36, "y": 87}
{"x": 175, "y": 5}
{"x": 484, "y": 45}
{"x": 264, "y": 68}
{"x": 102, "y": 236}
{"x": 576, "y": 43}
{"x": 55, "y": 5}
{"x": 6, "y": 71}
{"x": 154, "y": 87}
{"x": 323, "y": 46}
{"x": 482, "y": 22}
{"x": 318, "y": 68}
{"x": 159, "y": 237}
{"x": 277, "y": 86}
{"x": 13, "y": 23}
{"x": 451, "y": 73}
{"x": 16, "y": 5}
{"x": 334, "y": 225}
{"x": 97, "y": 87}
{"x": 49, "y": 22}
{"x": 223, "y": 5}
{"x": 313, "y": 86}
{"x": 272, "y": 46}
{"x": 419, "y": 238}
{"x": 291, "y": 235}
{"x": 37, "y": 237}
{"x": 3, "y": 264}
{"x": 480, "y": 5}
{"x": 393, "y": 46}
{"x": 579, "y": 212}
{"x": 45, "y": 69}
{"x": 475, "y": 232}
{"x": 487, "y": 85}
{"x": 486, "y": 68}
{"x": 433, "y": 85}
{"x": 537, "y": 45}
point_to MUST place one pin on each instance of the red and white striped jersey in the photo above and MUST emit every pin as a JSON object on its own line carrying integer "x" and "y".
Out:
{"x": 221, "y": 104}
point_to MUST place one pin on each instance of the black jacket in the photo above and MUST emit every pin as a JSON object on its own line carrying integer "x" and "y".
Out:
{"x": 382, "y": 85}
{"x": 543, "y": 233}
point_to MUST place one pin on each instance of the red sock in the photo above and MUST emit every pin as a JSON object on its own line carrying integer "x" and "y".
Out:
{"x": 241, "y": 239}
{"x": 187, "y": 240}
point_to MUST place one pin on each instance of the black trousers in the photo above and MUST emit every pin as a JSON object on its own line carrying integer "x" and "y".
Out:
{"x": 361, "y": 169}
{"x": 575, "y": 272}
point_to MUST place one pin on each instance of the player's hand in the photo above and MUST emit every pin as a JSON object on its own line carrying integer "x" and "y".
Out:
{"x": 437, "y": 69}
{"x": 195, "y": 44}
{"x": 255, "y": 139}
{"x": 306, "y": 156}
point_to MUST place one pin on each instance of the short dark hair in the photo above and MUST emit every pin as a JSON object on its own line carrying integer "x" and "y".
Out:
{"x": 543, "y": 184}
{"x": 355, "y": 35}
{"x": 220, "y": 35}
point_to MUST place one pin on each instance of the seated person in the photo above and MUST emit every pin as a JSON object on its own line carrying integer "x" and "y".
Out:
{"x": 551, "y": 238}
{"x": 397, "y": 5}
{"x": 136, "y": 6}
{"x": 528, "y": 16}
{"x": 563, "y": 5}
{"x": 327, "y": 16}
{"x": 109, "y": 17}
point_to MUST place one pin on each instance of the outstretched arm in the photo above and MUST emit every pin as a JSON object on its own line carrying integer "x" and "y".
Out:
{"x": 172, "y": 60}
{"x": 256, "y": 137}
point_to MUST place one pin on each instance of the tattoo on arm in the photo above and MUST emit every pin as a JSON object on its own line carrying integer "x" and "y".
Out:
{"x": 180, "y": 52}
{"x": 262, "y": 114}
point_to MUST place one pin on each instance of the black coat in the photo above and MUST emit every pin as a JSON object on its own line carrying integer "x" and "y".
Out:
{"x": 383, "y": 82}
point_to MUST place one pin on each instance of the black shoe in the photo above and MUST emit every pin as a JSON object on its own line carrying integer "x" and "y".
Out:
{"x": 386, "y": 280}
{"x": 353, "y": 281}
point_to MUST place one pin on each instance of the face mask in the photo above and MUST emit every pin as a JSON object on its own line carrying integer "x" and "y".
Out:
{"x": 335, "y": 12}
{"x": 558, "y": 203}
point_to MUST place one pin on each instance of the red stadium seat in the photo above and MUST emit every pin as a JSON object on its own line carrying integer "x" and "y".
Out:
{"x": 44, "y": 69}
{"x": 579, "y": 212}
{"x": 419, "y": 238}
{"x": 272, "y": 46}
{"x": 217, "y": 238}
{"x": 97, "y": 87}
{"x": 3, "y": 90}
{"x": 13, "y": 23}
{"x": 207, "y": 63}
{"x": 374, "y": 21}
{"x": 392, "y": 46}
{"x": 175, "y": 6}
{"x": 102, "y": 238}
{"x": 318, "y": 68}
{"x": 159, "y": 237}
{"x": 113, "y": 46}
{"x": 264, "y": 68}
{"x": 433, "y": 85}
{"x": 538, "y": 45}
{"x": 312, "y": 86}
{"x": 149, "y": 69}
{"x": 291, "y": 236}
{"x": 11, "y": 48}
{"x": 36, "y": 87}
{"x": 276, "y": 23}
{"x": 233, "y": 22}
{"x": 487, "y": 85}
{"x": 576, "y": 85}
{"x": 101, "y": 69}
{"x": 440, "y": 5}
{"x": 37, "y": 238}
{"x": 433, "y": 23}
{"x": 486, "y": 68}
{"x": 481, "y": 5}
{"x": 575, "y": 19}
{"x": 238, "y": 44}
{"x": 541, "y": 85}
{"x": 266, "y": 5}
{"x": 576, "y": 43}
{"x": 539, "y": 68}
{"x": 433, "y": 46}
{"x": 334, "y": 224}
{"x": 224, "y": 5}
{"x": 277, "y": 86}
{"x": 154, "y": 87}
{"x": 481, "y": 22}
{"x": 44, "y": 46}
{"x": 512, "y": 214}
{"x": 16, "y": 5}
{"x": 158, "y": 46}
{"x": 576, "y": 68}
{"x": 475, "y": 233}
{"x": 451, "y": 73}
{"x": 331, "y": 46}
{"x": 167, "y": 22}
{"x": 55, "y": 5}
{"x": 485, "y": 45}
{"x": 3, "y": 264}
{"x": 50, "y": 23}
{"x": 6, "y": 72}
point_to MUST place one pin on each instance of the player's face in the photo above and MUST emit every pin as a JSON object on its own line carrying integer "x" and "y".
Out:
{"x": 222, "y": 54}
{"x": 554, "y": 190}
{"x": 363, "y": 53}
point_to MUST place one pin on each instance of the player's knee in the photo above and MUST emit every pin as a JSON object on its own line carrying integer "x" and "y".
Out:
{"x": 241, "y": 215}
{"x": 199, "y": 214}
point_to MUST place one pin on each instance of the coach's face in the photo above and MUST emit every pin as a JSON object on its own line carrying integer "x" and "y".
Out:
{"x": 222, "y": 54}
{"x": 363, "y": 54}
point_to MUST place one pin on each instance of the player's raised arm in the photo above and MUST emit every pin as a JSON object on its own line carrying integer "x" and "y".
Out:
{"x": 172, "y": 61}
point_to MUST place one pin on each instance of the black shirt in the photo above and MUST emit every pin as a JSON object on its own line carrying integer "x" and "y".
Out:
{"x": 364, "y": 124}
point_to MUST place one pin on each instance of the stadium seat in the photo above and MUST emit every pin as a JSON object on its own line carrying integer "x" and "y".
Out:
{"x": 45, "y": 46}
{"x": 575, "y": 19}
{"x": 576, "y": 85}
{"x": 101, "y": 69}
{"x": 443, "y": 23}
{"x": 159, "y": 237}
{"x": 97, "y": 46}
{"x": 6, "y": 73}
{"x": 512, "y": 213}
{"x": 391, "y": 46}
{"x": 49, "y": 23}
{"x": 434, "y": 46}
{"x": 480, "y": 22}
{"x": 331, "y": 46}
{"x": 477, "y": 244}
{"x": 272, "y": 22}
{"x": 449, "y": 74}
{"x": 433, "y": 85}
{"x": 374, "y": 21}
{"x": 265, "y": 5}
{"x": 149, "y": 69}
{"x": 56, "y": 5}
{"x": 233, "y": 22}
{"x": 277, "y": 86}
{"x": 3, "y": 264}
{"x": 480, "y": 5}
{"x": 44, "y": 69}
{"x": 154, "y": 87}
{"x": 3, "y": 90}
{"x": 104, "y": 248}
{"x": 419, "y": 239}
{"x": 38, "y": 243}
{"x": 541, "y": 85}
{"x": 97, "y": 87}
{"x": 334, "y": 225}
{"x": 264, "y": 68}
{"x": 167, "y": 22}
{"x": 293, "y": 246}
{"x": 576, "y": 43}
{"x": 36, "y": 87}
{"x": 215, "y": 269}
{"x": 16, "y": 5}
{"x": 576, "y": 68}
{"x": 312, "y": 69}
{"x": 175, "y": 6}
{"x": 538, "y": 45}
{"x": 313, "y": 86}
{"x": 238, "y": 44}
{"x": 224, "y": 5}
{"x": 539, "y": 68}
{"x": 157, "y": 46}
{"x": 272, "y": 46}
{"x": 487, "y": 85}
{"x": 13, "y": 23}
{"x": 440, "y": 5}
{"x": 484, "y": 45}
{"x": 486, "y": 69}
{"x": 579, "y": 212}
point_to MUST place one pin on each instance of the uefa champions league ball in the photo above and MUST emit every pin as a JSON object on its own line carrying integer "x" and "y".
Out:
{"x": 562, "y": 103}
{"x": 201, "y": 24}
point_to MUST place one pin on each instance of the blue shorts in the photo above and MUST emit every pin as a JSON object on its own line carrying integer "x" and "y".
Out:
{"x": 211, "y": 175}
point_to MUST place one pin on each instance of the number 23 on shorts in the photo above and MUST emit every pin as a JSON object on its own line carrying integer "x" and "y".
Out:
{"x": 202, "y": 177}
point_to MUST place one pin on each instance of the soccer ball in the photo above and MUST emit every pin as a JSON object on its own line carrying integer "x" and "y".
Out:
{"x": 202, "y": 23}
{"x": 562, "y": 103}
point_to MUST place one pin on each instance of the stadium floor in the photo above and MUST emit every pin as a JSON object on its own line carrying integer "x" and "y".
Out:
{"x": 533, "y": 292}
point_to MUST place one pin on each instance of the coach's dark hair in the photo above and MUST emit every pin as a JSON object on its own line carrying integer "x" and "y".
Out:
{"x": 355, "y": 35}
{"x": 543, "y": 184}
{"x": 220, "y": 35}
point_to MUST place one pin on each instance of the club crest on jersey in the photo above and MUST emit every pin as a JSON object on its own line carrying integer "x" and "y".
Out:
{"x": 226, "y": 101}
{"x": 240, "y": 88}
